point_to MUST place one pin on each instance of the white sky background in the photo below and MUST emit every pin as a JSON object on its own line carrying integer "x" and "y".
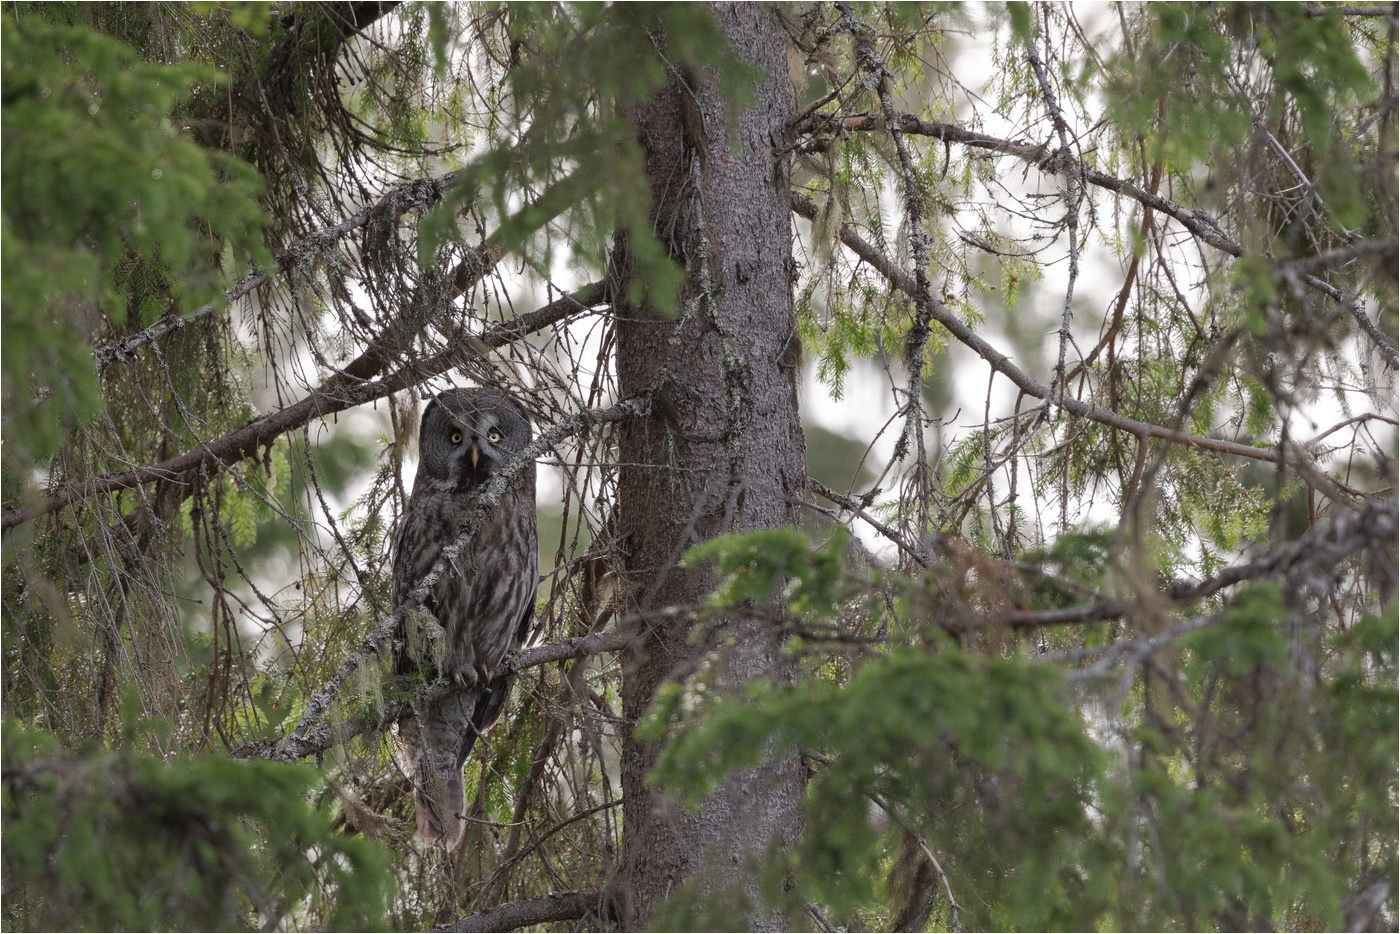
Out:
{"x": 868, "y": 402}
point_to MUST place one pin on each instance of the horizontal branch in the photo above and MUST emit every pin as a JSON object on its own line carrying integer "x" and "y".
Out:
{"x": 1198, "y": 222}
{"x": 311, "y": 737}
{"x": 337, "y": 394}
{"x": 1039, "y": 155}
{"x": 560, "y": 906}
{"x": 1327, "y": 544}
{"x": 805, "y": 207}
{"x": 1386, "y": 10}
{"x": 1343, "y": 255}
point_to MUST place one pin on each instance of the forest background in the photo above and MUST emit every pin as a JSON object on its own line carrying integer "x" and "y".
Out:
{"x": 968, "y": 438}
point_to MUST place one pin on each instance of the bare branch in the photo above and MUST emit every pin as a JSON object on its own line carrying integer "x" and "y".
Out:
{"x": 1350, "y": 303}
{"x": 398, "y": 201}
{"x": 1316, "y": 10}
{"x": 1342, "y": 255}
{"x": 1198, "y": 222}
{"x": 337, "y": 394}
{"x": 850, "y": 505}
{"x": 805, "y": 207}
{"x": 1071, "y": 219}
{"x": 559, "y": 906}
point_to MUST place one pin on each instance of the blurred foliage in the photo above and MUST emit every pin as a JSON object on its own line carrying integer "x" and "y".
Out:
{"x": 124, "y": 841}
{"x": 1262, "y": 804}
{"x": 837, "y": 460}
{"x": 111, "y": 213}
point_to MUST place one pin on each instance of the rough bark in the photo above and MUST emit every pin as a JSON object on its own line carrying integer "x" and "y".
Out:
{"x": 721, "y": 451}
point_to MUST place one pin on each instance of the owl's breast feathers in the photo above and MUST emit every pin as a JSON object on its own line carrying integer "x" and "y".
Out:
{"x": 489, "y": 588}
{"x": 484, "y": 602}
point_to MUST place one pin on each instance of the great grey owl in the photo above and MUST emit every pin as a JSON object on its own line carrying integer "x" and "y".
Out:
{"x": 482, "y": 606}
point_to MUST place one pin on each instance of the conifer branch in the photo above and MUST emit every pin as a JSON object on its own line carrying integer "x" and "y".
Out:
{"x": 927, "y": 304}
{"x": 805, "y": 207}
{"x": 399, "y": 200}
{"x": 336, "y": 394}
{"x": 558, "y": 906}
{"x": 1198, "y": 222}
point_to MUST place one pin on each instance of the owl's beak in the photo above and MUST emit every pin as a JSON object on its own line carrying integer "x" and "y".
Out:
{"x": 476, "y": 453}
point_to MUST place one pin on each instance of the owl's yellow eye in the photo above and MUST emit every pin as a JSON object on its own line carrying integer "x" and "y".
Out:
{"x": 456, "y": 437}
{"x": 493, "y": 436}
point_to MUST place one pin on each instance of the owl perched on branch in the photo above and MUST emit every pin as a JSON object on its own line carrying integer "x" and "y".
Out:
{"x": 480, "y": 608}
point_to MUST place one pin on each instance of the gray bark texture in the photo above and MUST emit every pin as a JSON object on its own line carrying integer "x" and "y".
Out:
{"x": 722, "y": 451}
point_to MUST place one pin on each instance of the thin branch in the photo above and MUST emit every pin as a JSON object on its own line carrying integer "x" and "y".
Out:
{"x": 1350, "y": 303}
{"x": 1316, "y": 10}
{"x": 1057, "y": 385}
{"x": 121, "y": 349}
{"x": 850, "y": 505}
{"x": 1314, "y": 556}
{"x": 334, "y": 395}
{"x": 1342, "y": 255}
{"x": 398, "y": 201}
{"x": 560, "y": 906}
{"x": 1199, "y": 223}
{"x": 805, "y": 207}
{"x": 927, "y": 304}
{"x": 318, "y": 737}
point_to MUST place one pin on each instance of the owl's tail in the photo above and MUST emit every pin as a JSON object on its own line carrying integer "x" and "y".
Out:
{"x": 430, "y": 747}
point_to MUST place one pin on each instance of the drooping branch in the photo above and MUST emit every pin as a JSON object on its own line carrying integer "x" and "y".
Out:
{"x": 1071, "y": 221}
{"x": 927, "y": 303}
{"x": 336, "y": 394}
{"x": 399, "y": 200}
{"x": 1200, "y": 223}
{"x": 805, "y": 207}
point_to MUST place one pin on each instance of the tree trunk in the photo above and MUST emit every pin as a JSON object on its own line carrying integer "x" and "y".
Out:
{"x": 722, "y": 450}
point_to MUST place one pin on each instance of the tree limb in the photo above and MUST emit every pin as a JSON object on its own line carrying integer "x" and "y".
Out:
{"x": 1349, "y": 302}
{"x": 336, "y": 394}
{"x": 560, "y": 906}
{"x": 398, "y": 201}
{"x": 318, "y": 737}
{"x": 1038, "y": 155}
{"x": 805, "y": 207}
{"x": 1198, "y": 222}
